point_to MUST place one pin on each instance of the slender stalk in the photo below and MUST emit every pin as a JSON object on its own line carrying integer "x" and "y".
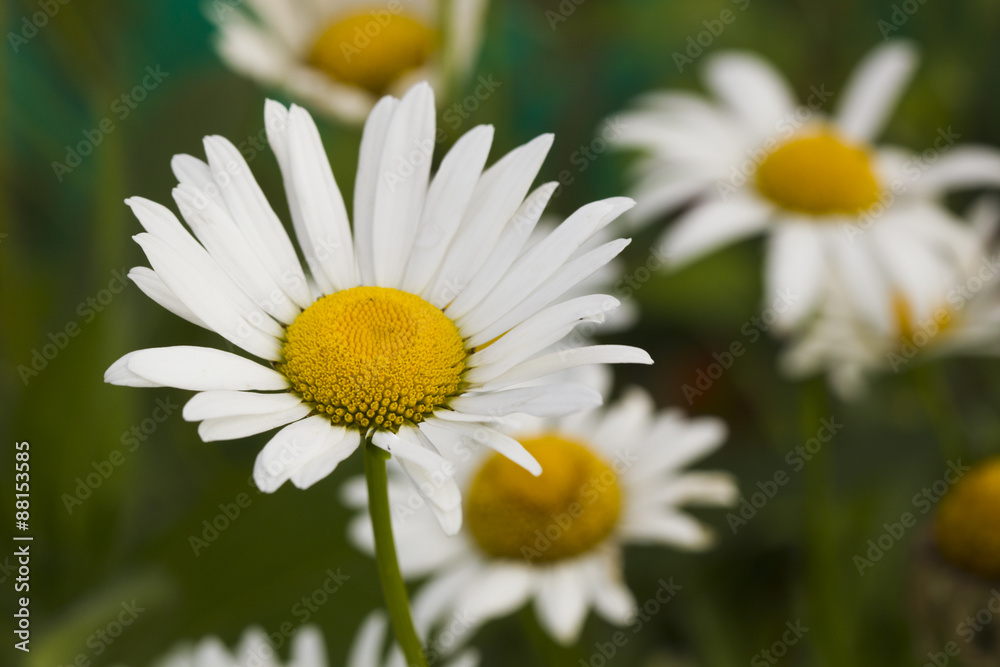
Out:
{"x": 393, "y": 589}
{"x": 941, "y": 413}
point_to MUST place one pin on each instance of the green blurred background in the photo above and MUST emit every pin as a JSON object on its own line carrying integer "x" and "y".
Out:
{"x": 66, "y": 235}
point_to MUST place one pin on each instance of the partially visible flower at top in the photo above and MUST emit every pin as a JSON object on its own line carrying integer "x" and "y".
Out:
{"x": 254, "y": 650}
{"x": 422, "y": 323}
{"x": 836, "y": 208}
{"x": 340, "y": 56}
{"x": 844, "y": 344}
{"x": 369, "y": 648}
{"x": 611, "y": 478}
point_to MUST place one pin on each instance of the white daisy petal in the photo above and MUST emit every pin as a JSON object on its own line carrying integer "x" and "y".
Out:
{"x": 202, "y": 369}
{"x": 340, "y": 443}
{"x": 795, "y": 271}
{"x": 753, "y": 88}
{"x": 476, "y": 436}
{"x": 612, "y": 598}
{"x": 543, "y": 401}
{"x": 501, "y": 590}
{"x": 873, "y": 90}
{"x": 959, "y": 168}
{"x": 701, "y": 488}
{"x": 242, "y": 426}
{"x": 561, "y": 602}
{"x": 672, "y": 528}
{"x": 320, "y": 204}
{"x": 408, "y": 450}
{"x": 118, "y": 373}
{"x": 401, "y": 187}
{"x": 447, "y": 199}
{"x": 291, "y": 448}
{"x": 151, "y": 285}
{"x": 216, "y": 404}
{"x": 366, "y": 184}
{"x": 710, "y": 226}
{"x": 367, "y": 649}
{"x": 561, "y": 360}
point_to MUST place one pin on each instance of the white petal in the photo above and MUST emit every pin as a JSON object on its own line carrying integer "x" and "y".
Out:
{"x": 712, "y": 225}
{"x": 119, "y": 374}
{"x": 447, "y": 199}
{"x": 612, "y": 598}
{"x": 242, "y": 426}
{"x": 478, "y": 435}
{"x": 873, "y": 90}
{"x": 677, "y": 530}
{"x": 339, "y": 445}
{"x": 408, "y": 450}
{"x": 216, "y": 404}
{"x": 288, "y": 450}
{"x": 498, "y": 194}
{"x": 403, "y": 174}
{"x": 366, "y": 182}
{"x": 561, "y": 602}
{"x": 796, "y": 272}
{"x": 959, "y": 168}
{"x": 555, "y": 400}
{"x": 554, "y": 362}
{"x": 308, "y": 648}
{"x": 320, "y": 204}
{"x": 202, "y": 369}
{"x": 369, "y": 642}
{"x": 753, "y": 88}
{"x": 151, "y": 285}
{"x": 697, "y": 488}
{"x": 501, "y": 589}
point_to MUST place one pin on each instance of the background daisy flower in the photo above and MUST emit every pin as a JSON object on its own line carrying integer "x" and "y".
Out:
{"x": 412, "y": 328}
{"x": 834, "y": 206}
{"x": 843, "y": 343}
{"x": 254, "y": 650}
{"x": 611, "y": 478}
{"x": 340, "y": 57}
{"x": 369, "y": 647}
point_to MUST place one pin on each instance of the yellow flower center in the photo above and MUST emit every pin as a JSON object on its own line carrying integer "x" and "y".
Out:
{"x": 819, "y": 174}
{"x": 373, "y": 357}
{"x": 373, "y": 49}
{"x": 968, "y": 524}
{"x": 566, "y": 511}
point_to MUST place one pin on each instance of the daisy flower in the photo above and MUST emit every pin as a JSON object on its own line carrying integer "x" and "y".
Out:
{"x": 254, "y": 650}
{"x": 834, "y": 206}
{"x": 843, "y": 343}
{"x": 416, "y": 326}
{"x": 611, "y": 478}
{"x": 369, "y": 648}
{"x": 341, "y": 56}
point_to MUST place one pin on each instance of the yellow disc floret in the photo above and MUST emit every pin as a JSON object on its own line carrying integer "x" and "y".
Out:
{"x": 566, "y": 511}
{"x": 373, "y": 49}
{"x": 373, "y": 357}
{"x": 819, "y": 174}
{"x": 968, "y": 521}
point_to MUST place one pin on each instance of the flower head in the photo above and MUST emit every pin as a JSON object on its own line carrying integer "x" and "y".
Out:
{"x": 968, "y": 527}
{"x": 611, "y": 478}
{"x": 254, "y": 650}
{"x": 424, "y": 321}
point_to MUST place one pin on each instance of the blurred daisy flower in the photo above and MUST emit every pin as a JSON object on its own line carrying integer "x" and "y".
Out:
{"x": 369, "y": 649}
{"x": 842, "y": 342}
{"x": 254, "y": 650}
{"x": 835, "y": 207}
{"x": 611, "y": 477}
{"x": 340, "y": 56}
{"x": 415, "y": 327}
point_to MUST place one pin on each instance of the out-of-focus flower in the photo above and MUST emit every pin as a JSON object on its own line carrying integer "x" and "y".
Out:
{"x": 340, "y": 56}
{"x": 611, "y": 477}
{"x": 968, "y": 525}
{"x": 417, "y": 326}
{"x": 369, "y": 649}
{"x": 254, "y": 650}
{"x": 839, "y": 212}
{"x": 843, "y": 343}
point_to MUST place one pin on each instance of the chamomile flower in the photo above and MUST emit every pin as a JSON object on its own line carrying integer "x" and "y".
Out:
{"x": 834, "y": 206}
{"x": 369, "y": 649}
{"x": 340, "y": 56}
{"x": 611, "y": 478}
{"x": 842, "y": 342}
{"x": 416, "y": 326}
{"x": 254, "y": 650}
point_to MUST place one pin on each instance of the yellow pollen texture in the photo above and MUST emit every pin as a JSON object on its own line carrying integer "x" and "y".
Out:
{"x": 566, "y": 511}
{"x": 819, "y": 174}
{"x": 968, "y": 523}
{"x": 373, "y": 357}
{"x": 373, "y": 49}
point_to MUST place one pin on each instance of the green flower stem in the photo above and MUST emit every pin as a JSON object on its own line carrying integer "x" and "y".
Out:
{"x": 941, "y": 413}
{"x": 393, "y": 588}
